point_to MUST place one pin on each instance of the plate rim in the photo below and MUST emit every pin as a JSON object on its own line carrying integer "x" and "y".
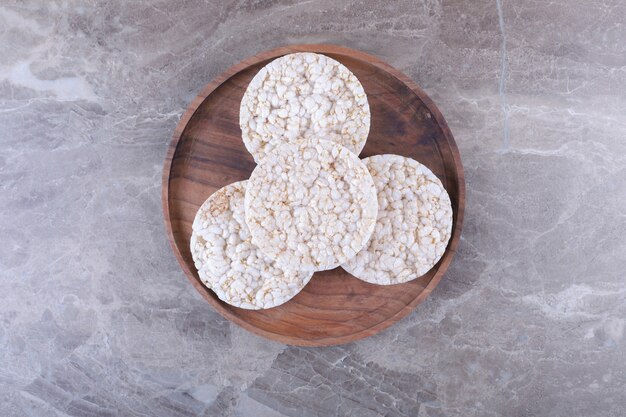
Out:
{"x": 330, "y": 49}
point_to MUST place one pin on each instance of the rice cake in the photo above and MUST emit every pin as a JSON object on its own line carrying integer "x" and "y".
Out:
{"x": 310, "y": 205}
{"x": 304, "y": 95}
{"x": 414, "y": 222}
{"x": 227, "y": 261}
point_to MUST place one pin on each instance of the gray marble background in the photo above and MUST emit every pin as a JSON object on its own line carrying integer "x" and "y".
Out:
{"x": 97, "y": 318}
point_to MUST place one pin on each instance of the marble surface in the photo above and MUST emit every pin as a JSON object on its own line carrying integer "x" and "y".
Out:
{"x": 97, "y": 318}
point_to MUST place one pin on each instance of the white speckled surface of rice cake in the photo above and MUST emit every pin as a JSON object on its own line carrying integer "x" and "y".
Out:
{"x": 311, "y": 205}
{"x": 414, "y": 222}
{"x": 304, "y": 95}
{"x": 227, "y": 261}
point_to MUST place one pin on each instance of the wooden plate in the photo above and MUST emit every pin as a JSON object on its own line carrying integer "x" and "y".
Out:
{"x": 207, "y": 153}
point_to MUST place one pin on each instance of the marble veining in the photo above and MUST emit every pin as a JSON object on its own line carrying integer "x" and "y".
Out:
{"x": 501, "y": 90}
{"x": 97, "y": 318}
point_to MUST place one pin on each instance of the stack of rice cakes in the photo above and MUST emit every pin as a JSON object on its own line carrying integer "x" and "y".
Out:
{"x": 311, "y": 204}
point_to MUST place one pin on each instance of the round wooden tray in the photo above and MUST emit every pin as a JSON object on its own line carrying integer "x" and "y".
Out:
{"x": 207, "y": 153}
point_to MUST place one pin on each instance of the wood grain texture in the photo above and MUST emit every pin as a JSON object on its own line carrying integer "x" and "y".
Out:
{"x": 207, "y": 153}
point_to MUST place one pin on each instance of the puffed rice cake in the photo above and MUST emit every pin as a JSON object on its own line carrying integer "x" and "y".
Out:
{"x": 414, "y": 222}
{"x": 304, "y": 95}
{"x": 227, "y": 261}
{"x": 310, "y": 205}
